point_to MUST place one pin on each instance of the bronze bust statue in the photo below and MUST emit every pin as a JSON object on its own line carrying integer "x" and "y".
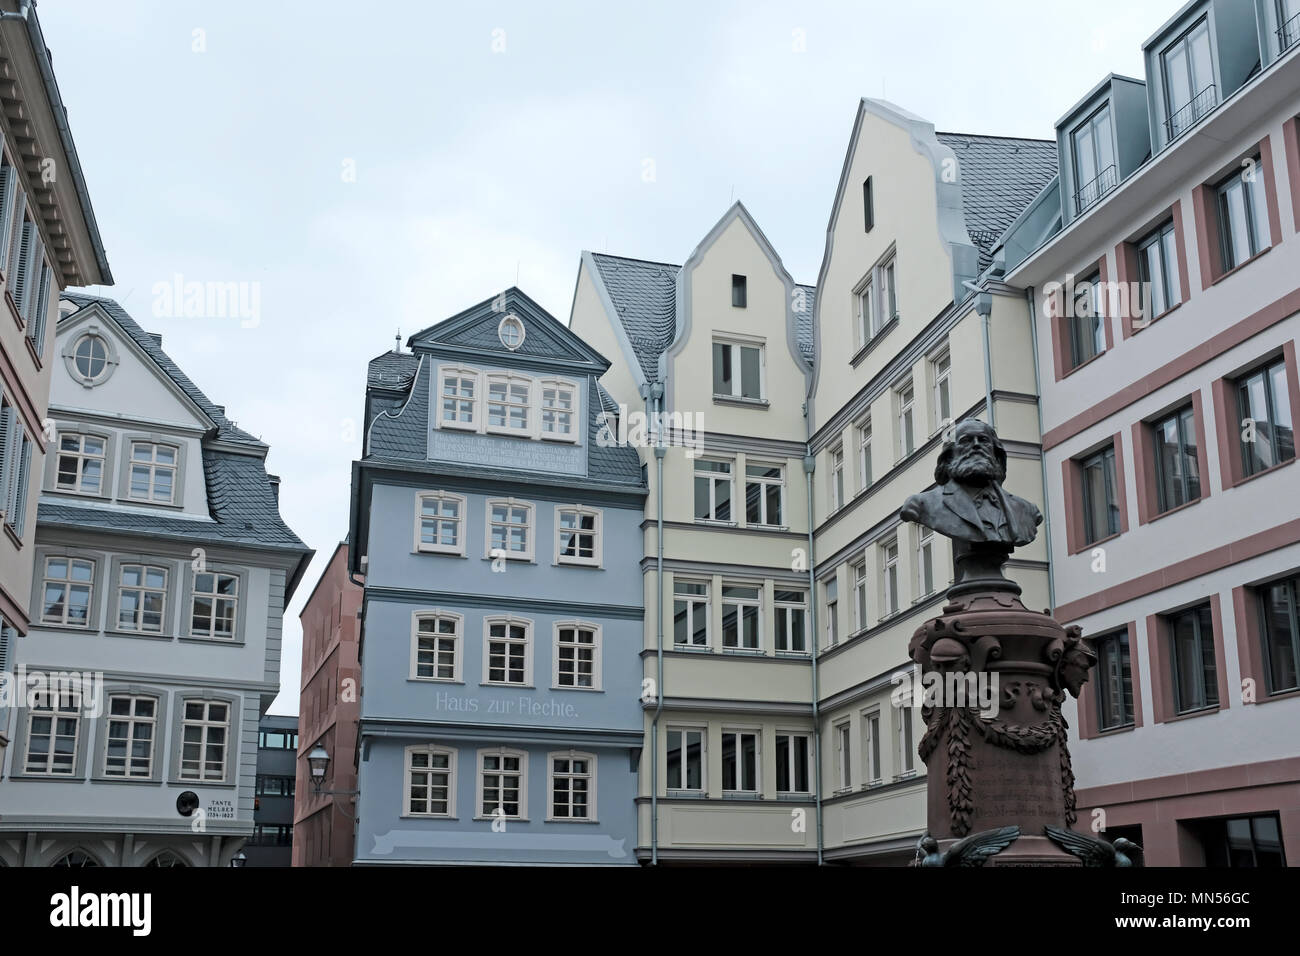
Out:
{"x": 969, "y": 503}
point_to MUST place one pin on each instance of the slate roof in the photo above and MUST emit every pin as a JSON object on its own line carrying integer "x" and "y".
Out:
{"x": 392, "y": 370}
{"x": 227, "y": 430}
{"x": 644, "y": 294}
{"x": 242, "y": 502}
{"x": 1000, "y": 176}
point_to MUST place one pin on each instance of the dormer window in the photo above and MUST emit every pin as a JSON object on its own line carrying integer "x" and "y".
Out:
{"x": 1095, "y": 173}
{"x": 459, "y": 393}
{"x": 557, "y": 410}
{"x": 1189, "y": 80}
{"x": 153, "y": 473}
{"x": 511, "y": 332}
{"x": 508, "y": 402}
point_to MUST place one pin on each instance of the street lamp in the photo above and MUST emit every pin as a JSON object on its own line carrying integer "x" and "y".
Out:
{"x": 239, "y": 859}
{"x": 319, "y": 761}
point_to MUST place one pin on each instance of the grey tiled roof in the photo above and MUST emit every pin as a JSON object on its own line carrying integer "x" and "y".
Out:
{"x": 403, "y": 431}
{"x": 645, "y": 296}
{"x": 226, "y": 429}
{"x": 392, "y": 370}
{"x": 1000, "y": 176}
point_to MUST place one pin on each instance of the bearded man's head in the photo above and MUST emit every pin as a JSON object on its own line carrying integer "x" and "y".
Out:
{"x": 975, "y": 456}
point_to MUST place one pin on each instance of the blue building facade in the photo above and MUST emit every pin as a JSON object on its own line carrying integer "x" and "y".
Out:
{"x": 500, "y": 650}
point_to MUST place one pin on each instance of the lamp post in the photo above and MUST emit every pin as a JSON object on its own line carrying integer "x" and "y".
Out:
{"x": 318, "y": 761}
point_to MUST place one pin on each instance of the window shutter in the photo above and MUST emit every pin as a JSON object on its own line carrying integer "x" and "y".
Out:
{"x": 8, "y": 192}
{"x": 35, "y": 265}
{"x": 6, "y": 429}
{"x": 13, "y": 448}
{"x": 22, "y": 270}
{"x": 6, "y": 641}
{"x": 13, "y": 239}
{"x": 24, "y": 473}
{"x": 41, "y": 313}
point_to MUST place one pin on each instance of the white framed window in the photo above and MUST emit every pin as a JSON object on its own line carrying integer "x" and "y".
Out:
{"x": 685, "y": 758}
{"x": 215, "y": 605}
{"x": 507, "y": 651}
{"x": 430, "y": 781}
{"x": 738, "y": 370}
{"x": 571, "y": 787}
{"x": 578, "y": 535}
{"x": 67, "y": 591}
{"x": 205, "y": 733}
{"x": 864, "y": 310}
{"x": 742, "y": 616}
{"x": 793, "y": 759}
{"x": 905, "y": 398}
{"x": 791, "y": 610}
{"x": 925, "y": 561}
{"x": 713, "y": 490}
{"x": 459, "y": 393}
{"x": 511, "y": 332}
{"x": 859, "y": 572}
{"x": 906, "y": 750}
{"x": 440, "y": 523}
{"x": 864, "y": 455}
{"x": 836, "y": 478}
{"x": 81, "y": 462}
{"x": 91, "y": 357}
{"x": 888, "y": 291}
{"x": 53, "y": 733}
{"x": 503, "y": 784}
{"x": 843, "y": 756}
{"x": 153, "y": 473}
{"x": 132, "y": 730}
{"x": 435, "y": 646}
{"x": 764, "y": 494}
{"x": 142, "y": 598}
{"x": 509, "y": 404}
{"x": 577, "y": 656}
{"x": 889, "y": 575}
{"x": 832, "y": 626}
{"x": 510, "y": 529}
{"x": 941, "y": 373}
{"x": 690, "y": 614}
{"x": 559, "y": 410}
{"x": 740, "y": 761}
{"x": 871, "y": 746}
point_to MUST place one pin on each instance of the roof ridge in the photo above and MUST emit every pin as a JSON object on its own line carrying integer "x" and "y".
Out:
{"x": 649, "y": 262}
{"x": 1019, "y": 139}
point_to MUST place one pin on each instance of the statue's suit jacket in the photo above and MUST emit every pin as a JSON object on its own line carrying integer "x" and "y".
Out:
{"x": 948, "y": 509}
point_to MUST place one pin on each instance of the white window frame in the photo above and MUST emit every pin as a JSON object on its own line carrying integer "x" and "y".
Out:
{"x": 510, "y": 319}
{"x": 714, "y": 478}
{"x": 942, "y": 385}
{"x": 596, "y": 657}
{"x": 831, "y": 602}
{"x": 739, "y": 733}
{"x": 589, "y": 776}
{"x": 461, "y": 520}
{"x": 792, "y": 762}
{"x": 924, "y": 550}
{"x": 865, "y": 476}
{"x": 906, "y": 743}
{"x": 764, "y": 481}
{"x": 131, "y": 720}
{"x": 865, "y": 311}
{"x": 740, "y": 603}
{"x": 480, "y": 779}
{"x": 861, "y": 606}
{"x": 843, "y": 756}
{"x": 457, "y": 645}
{"x": 58, "y": 705}
{"x": 891, "y": 601}
{"x": 215, "y": 595}
{"x": 409, "y": 773}
{"x": 872, "y": 753}
{"x": 737, "y": 383}
{"x": 142, "y": 589}
{"x": 888, "y": 288}
{"x": 509, "y": 620}
{"x": 154, "y": 467}
{"x": 461, "y": 373}
{"x": 835, "y": 477}
{"x": 81, "y": 457}
{"x": 510, "y": 379}
{"x": 598, "y": 558}
{"x": 574, "y": 412}
{"x": 67, "y": 583}
{"x": 696, "y": 603}
{"x": 530, "y": 529}
{"x": 791, "y": 608}
{"x": 684, "y": 729}
{"x": 205, "y": 723}
{"x": 905, "y": 398}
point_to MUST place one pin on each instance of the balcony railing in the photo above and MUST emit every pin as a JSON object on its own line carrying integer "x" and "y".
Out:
{"x": 1288, "y": 33}
{"x": 1101, "y": 184}
{"x": 1188, "y": 116}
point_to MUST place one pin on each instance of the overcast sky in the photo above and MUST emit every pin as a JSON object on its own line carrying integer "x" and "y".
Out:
{"x": 375, "y": 166}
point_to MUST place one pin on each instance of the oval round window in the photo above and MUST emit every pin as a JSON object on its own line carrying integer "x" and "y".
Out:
{"x": 91, "y": 357}
{"x": 511, "y": 332}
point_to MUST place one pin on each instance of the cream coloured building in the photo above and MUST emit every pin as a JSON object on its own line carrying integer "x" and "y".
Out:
{"x": 905, "y": 345}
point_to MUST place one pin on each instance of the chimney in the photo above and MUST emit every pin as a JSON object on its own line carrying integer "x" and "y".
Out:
{"x": 157, "y": 338}
{"x": 275, "y": 487}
